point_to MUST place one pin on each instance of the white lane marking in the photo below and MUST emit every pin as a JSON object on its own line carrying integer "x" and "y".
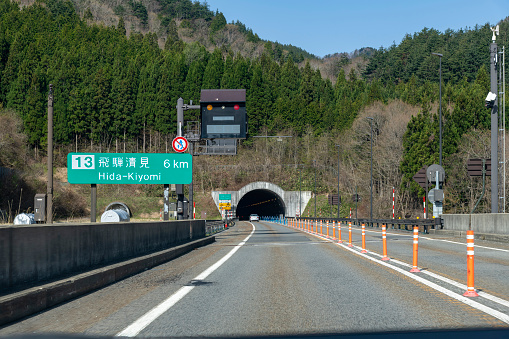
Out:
{"x": 453, "y": 282}
{"x": 460, "y": 243}
{"x": 497, "y": 314}
{"x": 433, "y": 239}
{"x": 145, "y": 320}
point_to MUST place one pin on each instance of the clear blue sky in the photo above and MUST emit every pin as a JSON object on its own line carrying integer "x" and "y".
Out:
{"x": 324, "y": 27}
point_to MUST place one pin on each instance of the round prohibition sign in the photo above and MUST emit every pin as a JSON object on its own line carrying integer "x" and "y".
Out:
{"x": 179, "y": 144}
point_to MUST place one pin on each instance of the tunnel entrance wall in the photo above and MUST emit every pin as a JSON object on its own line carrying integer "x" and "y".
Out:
{"x": 262, "y": 202}
{"x": 290, "y": 199}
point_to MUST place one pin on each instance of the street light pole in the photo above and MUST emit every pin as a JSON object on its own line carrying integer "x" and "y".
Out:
{"x": 338, "y": 179}
{"x": 440, "y": 109}
{"x": 314, "y": 163}
{"x": 371, "y": 173}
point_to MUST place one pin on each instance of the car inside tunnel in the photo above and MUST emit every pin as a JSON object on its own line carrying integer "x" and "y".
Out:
{"x": 262, "y": 202}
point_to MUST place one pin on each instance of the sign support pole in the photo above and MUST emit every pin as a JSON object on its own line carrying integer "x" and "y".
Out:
{"x": 180, "y": 187}
{"x": 166, "y": 214}
{"x": 93, "y": 202}
{"x": 191, "y": 186}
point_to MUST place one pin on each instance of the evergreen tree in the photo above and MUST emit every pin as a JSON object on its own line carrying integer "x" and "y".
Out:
{"x": 213, "y": 71}
{"x": 121, "y": 26}
{"x": 218, "y": 23}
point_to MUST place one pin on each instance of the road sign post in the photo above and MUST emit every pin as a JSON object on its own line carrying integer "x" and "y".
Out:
{"x": 225, "y": 202}
{"x": 180, "y": 144}
{"x": 421, "y": 179}
{"x": 436, "y": 174}
{"x": 479, "y": 167}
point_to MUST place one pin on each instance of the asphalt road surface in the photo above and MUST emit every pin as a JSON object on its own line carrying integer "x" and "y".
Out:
{"x": 267, "y": 279}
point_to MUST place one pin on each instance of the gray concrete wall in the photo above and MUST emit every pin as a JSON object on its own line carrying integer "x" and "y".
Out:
{"x": 35, "y": 253}
{"x": 292, "y": 199}
{"x": 491, "y": 223}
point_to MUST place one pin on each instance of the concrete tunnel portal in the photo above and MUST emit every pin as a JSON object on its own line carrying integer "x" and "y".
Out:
{"x": 263, "y": 198}
{"x": 262, "y": 202}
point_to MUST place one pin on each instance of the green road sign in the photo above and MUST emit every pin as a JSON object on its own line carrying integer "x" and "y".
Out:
{"x": 129, "y": 168}
{"x": 225, "y": 197}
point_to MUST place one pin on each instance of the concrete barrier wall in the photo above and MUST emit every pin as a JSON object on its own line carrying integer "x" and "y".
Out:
{"x": 35, "y": 253}
{"x": 496, "y": 223}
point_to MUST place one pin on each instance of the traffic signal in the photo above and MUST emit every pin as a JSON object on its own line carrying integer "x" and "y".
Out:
{"x": 223, "y": 114}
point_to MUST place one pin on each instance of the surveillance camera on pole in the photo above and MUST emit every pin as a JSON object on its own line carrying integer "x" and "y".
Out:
{"x": 496, "y": 31}
{"x": 490, "y": 100}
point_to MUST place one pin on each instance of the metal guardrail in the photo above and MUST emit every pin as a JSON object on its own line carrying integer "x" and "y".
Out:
{"x": 403, "y": 224}
{"x": 216, "y": 226}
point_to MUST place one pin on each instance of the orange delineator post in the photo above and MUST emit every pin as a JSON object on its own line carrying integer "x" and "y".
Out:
{"x": 333, "y": 229}
{"x": 363, "y": 239}
{"x": 350, "y": 234}
{"x": 339, "y": 233}
{"x": 321, "y": 229}
{"x": 470, "y": 266}
{"x": 327, "y": 225}
{"x": 384, "y": 241}
{"x": 416, "y": 250}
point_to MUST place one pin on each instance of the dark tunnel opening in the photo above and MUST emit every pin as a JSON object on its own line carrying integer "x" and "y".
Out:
{"x": 262, "y": 202}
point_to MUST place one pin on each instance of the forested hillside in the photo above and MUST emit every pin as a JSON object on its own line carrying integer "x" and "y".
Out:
{"x": 112, "y": 89}
{"x": 110, "y": 86}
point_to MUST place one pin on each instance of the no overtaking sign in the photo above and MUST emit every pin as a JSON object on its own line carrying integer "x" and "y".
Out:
{"x": 129, "y": 168}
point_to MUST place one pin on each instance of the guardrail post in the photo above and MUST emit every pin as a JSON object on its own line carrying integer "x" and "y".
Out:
{"x": 364, "y": 239}
{"x": 384, "y": 241}
{"x": 350, "y": 234}
{"x": 470, "y": 266}
{"x": 415, "y": 249}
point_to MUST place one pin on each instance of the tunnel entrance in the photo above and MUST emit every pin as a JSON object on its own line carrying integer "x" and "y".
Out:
{"x": 263, "y": 202}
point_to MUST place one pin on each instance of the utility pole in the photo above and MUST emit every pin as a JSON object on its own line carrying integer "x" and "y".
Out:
{"x": 494, "y": 124}
{"x": 440, "y": 108}
{"x": 371, "y": 172}
{"x": 314, "y": 163}
{"x": 338, "y": 179}
{"x": 49, "y": 191}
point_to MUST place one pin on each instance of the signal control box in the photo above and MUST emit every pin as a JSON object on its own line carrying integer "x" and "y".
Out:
{"x": 40, "y": 207}
{"x": 223, "y": 114}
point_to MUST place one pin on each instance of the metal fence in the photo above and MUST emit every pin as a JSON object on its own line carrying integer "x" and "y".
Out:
{"x": 403, "y": 224}
{"x": 216, "y": 226}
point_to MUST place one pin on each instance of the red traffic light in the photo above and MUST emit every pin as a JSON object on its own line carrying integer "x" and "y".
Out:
{"x": 236, "y": 107}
